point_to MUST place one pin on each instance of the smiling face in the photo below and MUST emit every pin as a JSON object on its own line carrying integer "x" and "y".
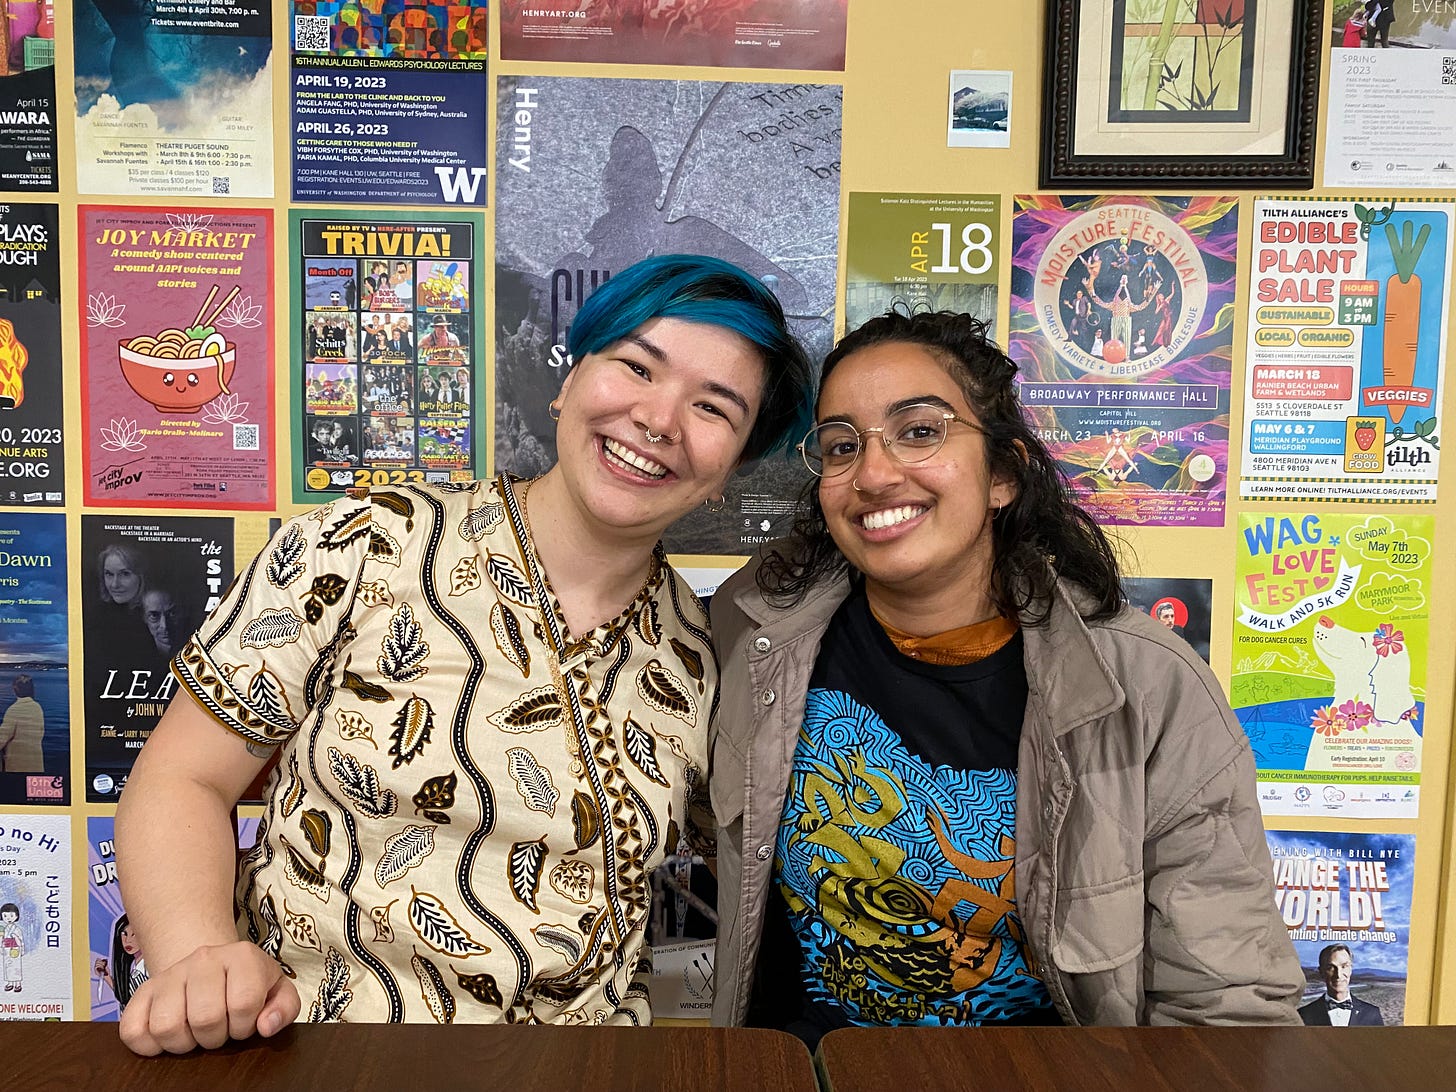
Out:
{"x": 697, "y": 386}
{"x": 920, "y": 532}
{"x": 122, "y": 582}
{"x": 1335, "y": 970}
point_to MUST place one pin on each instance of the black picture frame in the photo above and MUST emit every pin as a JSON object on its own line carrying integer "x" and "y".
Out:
{"x": 1064, "y": 166}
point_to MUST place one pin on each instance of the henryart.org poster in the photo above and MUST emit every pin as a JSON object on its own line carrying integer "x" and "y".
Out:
{"x": 28, "y": 97}
{"x": 1329, "y": 659}
{"x": 35, "y": 706}
{"x": 1122, "y": 323}
{"x": 388, "y": 101}
{"x": 147, "y": 582}
{"x": 922, "y": 251}
{"x": 805, "y": 34}
{"x": 35, "y": 917}
{"x": 594, "y": 174}
{"x": 32, "y": 453}
{"x": 174, "y": 97}
{"x": 1351, "y": 892}
{"x": 1346, "y": 349}
{"x": 177, "y": 357}
{"x": 387, "y": 321}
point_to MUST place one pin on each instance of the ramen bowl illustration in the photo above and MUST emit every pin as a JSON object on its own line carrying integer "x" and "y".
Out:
{"x": 177, "y": 373}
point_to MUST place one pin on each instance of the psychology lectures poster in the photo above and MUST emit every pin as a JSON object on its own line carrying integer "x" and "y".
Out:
{"x": 177, "y": 357}
{"x": 32, "y": 427}
{"x": 594, "y": 174}
{"x": 805, "y": 34}
{"x": 1330, "y": 637}
{"x": 922, "y": 251}
{"x": 1122, "y": 324}
{"x": 174, "y": 97}
{"x": 1353, "y": 891}
{"x": 388, "y": 101}
{"x": 35, "y": 917}
{"x": 386, "y": 327}
{"x": 28, "y": 98}
{"x": 35, "y": 706}
{"x": 1348, "y": 306}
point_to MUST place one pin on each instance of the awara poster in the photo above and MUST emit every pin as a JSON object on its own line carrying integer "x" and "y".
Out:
{"x": 1346, "y": 900}
{"x": 117, "y": 965}
{"x": 1329, "y": 660}
{"x": 387, "y": 322}
{"x": 28, "y": 98}
{"x": 1348, "y": 304}
{"x": 805, "y": 34}
{"x": 174, "y": 97}
{"x": 922, "y": 251}
{"x": 177, "y": 357}
{"x": 388, "y": 101}
{"x": 593, "y": 175}
{"x": 35, "y": 917}
{"x": 32, "y": 426}
{"x": 1122, "y": 323}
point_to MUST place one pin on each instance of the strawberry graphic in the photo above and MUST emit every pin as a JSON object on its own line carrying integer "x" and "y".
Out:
{"x": 1364, "y": 437}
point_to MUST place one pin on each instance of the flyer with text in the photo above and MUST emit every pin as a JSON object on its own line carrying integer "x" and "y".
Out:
{"x": 174, "y": 97}
{"x": 32, "y": 425}
{"x": 35, "y": 917}
{"x": 1122, "y": 325}
{"x": 388, "y": 101}
{"x": 1346, "y": 356}
{"x": 1346, "y": 901}
{"x": 28, "y": 98}
{"x": 922, "y": 251}
{"x": 177, "y": 357}
{"x": 1329, "y": 659}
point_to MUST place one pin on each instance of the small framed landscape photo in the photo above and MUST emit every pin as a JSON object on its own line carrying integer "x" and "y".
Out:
{"x": 1181, "y": 92}
{"x": 980, "y": 110}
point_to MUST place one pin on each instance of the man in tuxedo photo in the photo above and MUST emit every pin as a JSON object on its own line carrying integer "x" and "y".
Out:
{"x": 1335, "y": 1007}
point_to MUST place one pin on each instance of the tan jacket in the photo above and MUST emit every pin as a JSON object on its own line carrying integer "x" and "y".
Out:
{"x": 21, "y": 733}
{"x": 1142, "y": 876}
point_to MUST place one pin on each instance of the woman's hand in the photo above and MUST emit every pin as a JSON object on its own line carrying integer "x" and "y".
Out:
{"x": 219, "y": 992}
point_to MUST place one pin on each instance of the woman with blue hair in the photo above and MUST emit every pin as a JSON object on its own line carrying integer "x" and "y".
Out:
{"x": 489, "y": 702}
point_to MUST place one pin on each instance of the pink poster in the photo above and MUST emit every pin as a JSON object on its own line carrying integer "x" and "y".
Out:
{"x": 177, "y": 357}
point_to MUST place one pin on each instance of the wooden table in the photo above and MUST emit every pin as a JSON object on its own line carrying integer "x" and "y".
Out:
{"x": 1138, "y": 1059}
{"x": 85, "y": 1057}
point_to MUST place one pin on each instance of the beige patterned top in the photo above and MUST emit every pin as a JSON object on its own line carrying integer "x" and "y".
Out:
{"x": 463, "y": 822}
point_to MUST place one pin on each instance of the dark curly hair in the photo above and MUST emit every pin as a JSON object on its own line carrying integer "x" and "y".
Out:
{"x": 1040, "y": 535}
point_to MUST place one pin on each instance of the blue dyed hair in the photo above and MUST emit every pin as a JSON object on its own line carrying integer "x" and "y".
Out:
{"x": 696, "y": 288}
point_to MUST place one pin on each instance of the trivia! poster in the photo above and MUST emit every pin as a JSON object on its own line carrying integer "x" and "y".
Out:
{"x": 1122, "y": 314}
{"x": 1329, "y": 660}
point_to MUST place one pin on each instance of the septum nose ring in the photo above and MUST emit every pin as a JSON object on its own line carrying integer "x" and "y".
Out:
{"x": 657, "y": 438}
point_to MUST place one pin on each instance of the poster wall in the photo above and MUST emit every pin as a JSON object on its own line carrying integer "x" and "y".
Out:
{"x": 35, "y": 722}
{"x": 32, "y": 427}
{"x": 594, "y": 174}
{"x": 35, "y": 917}
{"x": 174, "y": 97}
{"x": 177, "y": 357}
{"x": 28, "y": 98}
{"x": 1350, "y": 891}
{"x": 1347, "y": 349}
{"x": 388, "y": 101}
{"x": 1121, "y": 322}
{"x": 1329, "y": 660}
{"x": 922, "y": 251}
{"x": 387, "y": 325}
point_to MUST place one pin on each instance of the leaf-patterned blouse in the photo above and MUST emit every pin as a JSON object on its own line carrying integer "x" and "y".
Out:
{"x": 469, "y": 800}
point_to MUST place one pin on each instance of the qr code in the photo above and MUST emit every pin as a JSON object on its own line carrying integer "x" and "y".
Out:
{"x": 245, "y": 437}
{"x": 311, "y": 32}
{"x": 221, "y": 185}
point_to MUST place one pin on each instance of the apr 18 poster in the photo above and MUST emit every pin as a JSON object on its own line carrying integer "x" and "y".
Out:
{"x": 177, "y": 357}
{"x": 32, "y": 426}
{"x": 1346, "y": 901}
{"x": 388, "y": 101}
{"x": 174, "y": 97}
{"x": 922, "y": 251}
{"x": 35, "y": 917}
{"x": 1122, "y": 325}
{"x": 387, "y": 321}
{"x": 1347, "y": 349}
{"x": 1329, "y": 659}
{"x": 28, "y": 98}
{"x": 594, "y": 174}
{"x": 35, "y": 722}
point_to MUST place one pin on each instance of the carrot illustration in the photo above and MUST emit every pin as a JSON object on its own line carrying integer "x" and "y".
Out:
{"x": 1402, "y": 310}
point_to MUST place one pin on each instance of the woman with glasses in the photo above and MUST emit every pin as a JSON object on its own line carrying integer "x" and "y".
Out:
{"x": 957, "y": 779}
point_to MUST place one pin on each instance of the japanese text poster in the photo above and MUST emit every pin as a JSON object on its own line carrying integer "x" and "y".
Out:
{"x": 35, "y": 917}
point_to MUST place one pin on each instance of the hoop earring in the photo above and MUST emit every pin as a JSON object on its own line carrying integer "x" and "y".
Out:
{"x": 717, "y": 505}
{"x": 553, "y": 411}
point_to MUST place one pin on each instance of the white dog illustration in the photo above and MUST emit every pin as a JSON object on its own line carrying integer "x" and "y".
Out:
{"x": 1382, "y": 682}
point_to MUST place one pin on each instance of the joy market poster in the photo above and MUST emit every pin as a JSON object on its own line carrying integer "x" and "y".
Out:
{"x": 32, "y": 425}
